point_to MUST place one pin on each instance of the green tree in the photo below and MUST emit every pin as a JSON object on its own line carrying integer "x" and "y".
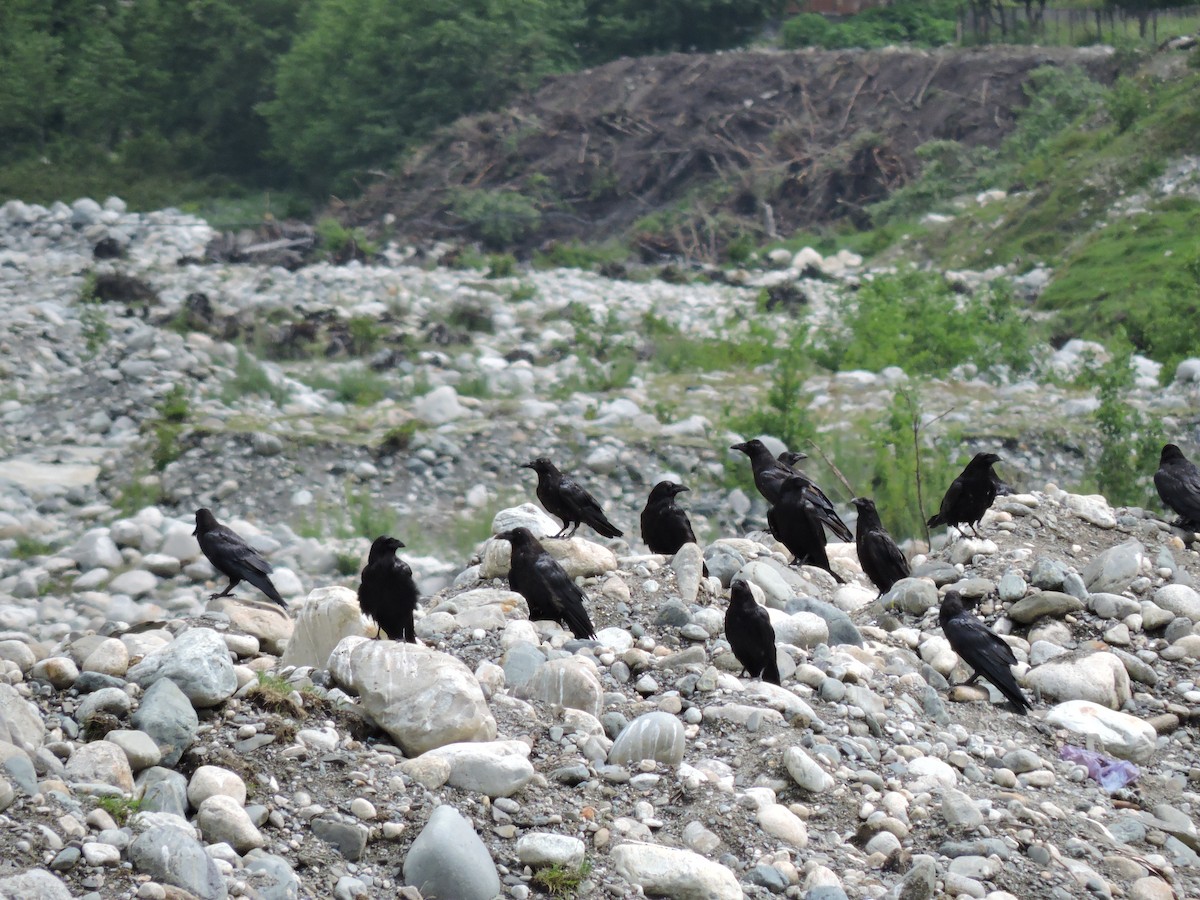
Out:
{"x": 366, "y": 78}
{"x": 613, "y": 28}
{"x": 30, "y": 58}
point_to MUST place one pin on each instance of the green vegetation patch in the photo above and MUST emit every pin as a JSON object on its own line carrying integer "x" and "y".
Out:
{"x": 915, "y": 320}
{"x": 1142, "y": 272}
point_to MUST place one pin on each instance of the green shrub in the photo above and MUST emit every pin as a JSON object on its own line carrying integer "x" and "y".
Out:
{"x": 784, "y": 415}
{"x": 353, "y": 384}
{"x": 922, "y": 24}
{"x": 249, "y": 377}
{"x": 914, "y": 320}
{"x": 1126, "y": 102}
{"x": 807, "y": 30}
{"x": 1130, "y": 441}
{"x": 365, "y": 518}
{"x": 498, "y": 218}
{"x": 502, "y": 265}
{"x": 398, "y": 438}
{"x": 365, "y": 335}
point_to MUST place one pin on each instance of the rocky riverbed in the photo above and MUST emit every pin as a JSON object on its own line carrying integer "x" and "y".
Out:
{"x": 157, "y": 744}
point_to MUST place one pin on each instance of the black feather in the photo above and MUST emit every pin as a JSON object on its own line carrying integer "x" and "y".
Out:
{"x": 233, "y": 557}
{"x": 387, "y": 593}
{"x": 545, "y": 585}
{"x": 982, "y": 649}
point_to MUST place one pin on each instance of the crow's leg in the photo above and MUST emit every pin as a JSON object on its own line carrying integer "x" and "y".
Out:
{"x": 233, "y": 582}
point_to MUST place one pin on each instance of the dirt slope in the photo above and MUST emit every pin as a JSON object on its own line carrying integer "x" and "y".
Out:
{"x": 816, "y": 135}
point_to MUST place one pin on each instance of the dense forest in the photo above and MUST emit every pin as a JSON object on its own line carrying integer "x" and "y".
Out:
{"x": 300, "y": 94}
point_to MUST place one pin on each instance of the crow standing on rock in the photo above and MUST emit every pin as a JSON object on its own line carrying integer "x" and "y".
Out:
{"x": 387, "y": 593}
{"x": 980, "y": 648}
{"x": 233, "y": 557}
{"x": 970, "y": 495}
{"x": 881, "y": 559}
{"x": 666, "y": 527}
{"x": 770, "y": 474}
{"x": 564, "y": 497}
{"x": 545, "y": 585}
{"x": 1178, "y": 483}
{"x": 796, "y": 522}
{"x": 750, "y": 635}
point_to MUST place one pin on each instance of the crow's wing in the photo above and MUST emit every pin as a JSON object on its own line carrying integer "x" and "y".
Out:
{"x": 1178, "y": 486}
{"x": 986, "y": 653}
{"x": 227, "y": 551}
{"x": 555, "y": 585}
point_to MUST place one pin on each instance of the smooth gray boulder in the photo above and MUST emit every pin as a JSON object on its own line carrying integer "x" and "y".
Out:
{"x": 197, "y": 661}
{"x": 449, "y": 860}
{"x": 422, "y": 698}
{"x": 171, "y": 856}
{"x": 169, "y": 718}
{"x": 657, "y": 736}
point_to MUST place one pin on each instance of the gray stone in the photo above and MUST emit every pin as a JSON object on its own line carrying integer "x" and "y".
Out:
{"x": 527, "y": 515}
{"x": 96, "y": 550}
{"x": 136, "y": 583}
{"x": 573, "y": 683}
{"x": 494, "y": 768}
{"x": 1012, "y": 586}
{"x": 1180, "y": 600}
{"x": 109, "y": 700}
{"x": 1113, "y": 570}
{"x": 1113, "y": 606}
{"x": 400, "y": 683}
{"x": 1098, "y": 677}
{"x": 350, "y": 838}
{"x": 841, "y": 627}
{"x": 673, "y": 873}
{"x": 1113, "y": 732}
{"x": 163, "y": 790}
{"x": 521, "y": 662}
{"x": 271, "y": 876}
{"x": 222, "y": 819}
{"x": 688, "y": 564}
{"x": 768, "y": 877}
{"x": 197, "y": 661}
{"x": 171, "y": 856}
{"x": 960, "y": 811}
{"x": 34, "y": 884}
{"x": 919, "y": 881}
{"x": 1043, "y": 603}
{"x": 673, "y": 614}
{"x": 911, "y": 595}
{"x": 100, "y": 763}
{"x": 1138, "y": 669}
{"x": 656, "y": 736}
{"x": 1047, "y": 574}
{"x": 169, "y": 718}
{"x": 806, "y": 772}
{"x": 538, "y": 849}
{"x": 139, "y": 748}
{"x": 1022, "y": 761}
{"x": 20, "y": 721}
{"x": 327, "y": 616}
{"x": 449, "y": 860}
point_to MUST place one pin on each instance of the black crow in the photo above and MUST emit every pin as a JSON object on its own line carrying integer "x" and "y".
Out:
{"x": 750, "y": 635}
{"x": 388, "y": 594}
{"x": 564, "y": 497}
{"x": 791, "y": 459}
{"x": 666, "y": 527}
{"x": 233, "y": 557}
{"x": 770, "y": 473}
{"x": 795, "y": 521}
{"x": 878, "y": 554}
{"x": 980, "y": 648}
{"x": 545, "y": 585}
{"x": 1178, "y": 483}
{"x": 970, "y": 494}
